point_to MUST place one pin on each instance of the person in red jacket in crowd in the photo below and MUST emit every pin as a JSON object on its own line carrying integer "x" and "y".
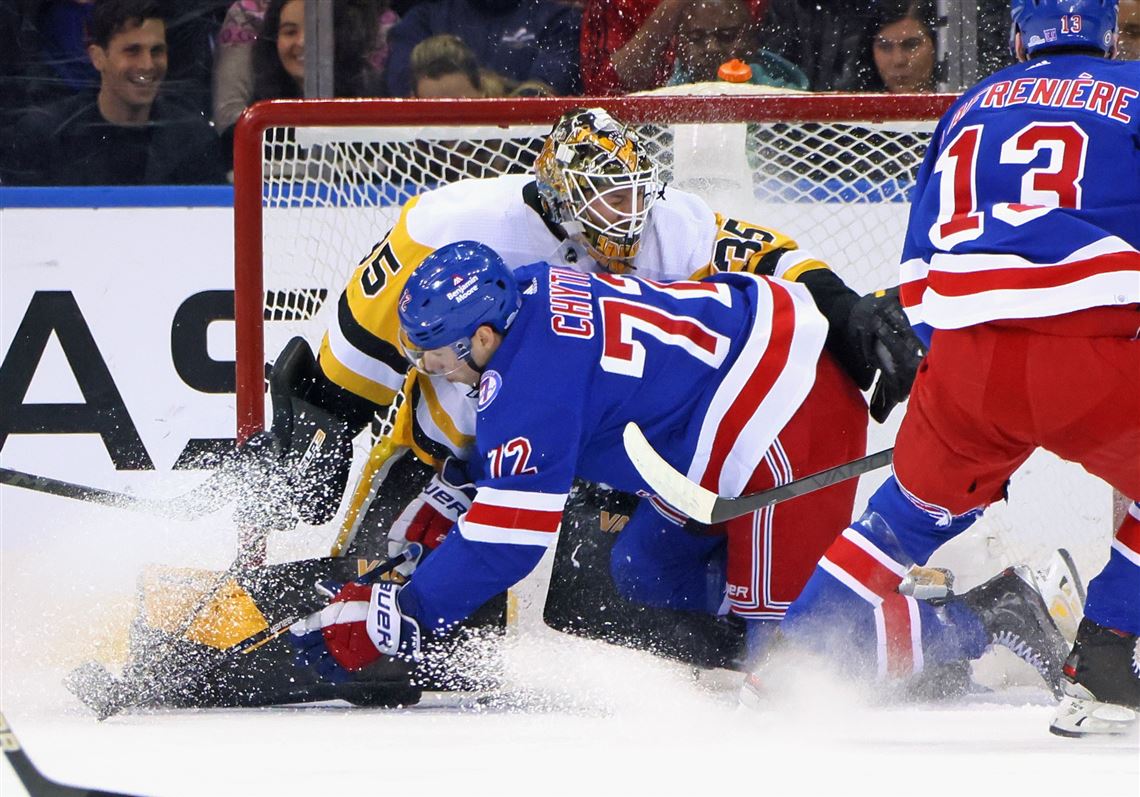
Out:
{"x": 618, "y": 34}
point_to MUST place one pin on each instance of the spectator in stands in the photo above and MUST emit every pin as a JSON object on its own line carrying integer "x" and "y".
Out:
{"x": 903, "y": 48}
{"x": 520, "y": 39}
{"x": 126, "y": 134}
{"x": 273, "y": 66}
{"x": 1128, "y": 30}
{"x": 279, "y": 52}
{"x": 631, "y": 45}
{"x": 827, "y": 39}
{"x": 443, "y": 66}
{"x": 233, "y": 58}
{"x": 54, "y": 42}
{"x": 713, "y": 32}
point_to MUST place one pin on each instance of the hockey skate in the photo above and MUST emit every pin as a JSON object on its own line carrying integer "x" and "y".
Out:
{"x": 1015, "y": 615}
{"x": 1101, "y": 684}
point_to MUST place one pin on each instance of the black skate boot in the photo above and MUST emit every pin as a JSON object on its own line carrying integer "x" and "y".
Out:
{"x": 1015, "y": 616}
{"x": 1102, "y": 684}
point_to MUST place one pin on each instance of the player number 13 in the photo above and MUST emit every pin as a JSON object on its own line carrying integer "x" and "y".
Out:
{"x": 1057, "y": 184}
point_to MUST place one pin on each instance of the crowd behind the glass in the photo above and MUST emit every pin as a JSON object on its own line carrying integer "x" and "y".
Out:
{"x": 123, "y": 92}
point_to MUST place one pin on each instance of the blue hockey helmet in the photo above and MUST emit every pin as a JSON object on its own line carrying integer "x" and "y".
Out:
{"x": 454, "y": 291}
{"x": 1051, "y": 24}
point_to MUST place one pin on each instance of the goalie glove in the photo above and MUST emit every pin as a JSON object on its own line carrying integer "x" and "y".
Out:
{"x": 433, "y": 513}
{"x": 362, "y": 625}
{"x": 879, "y": 329}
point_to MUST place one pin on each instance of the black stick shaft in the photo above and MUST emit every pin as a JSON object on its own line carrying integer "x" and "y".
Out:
{"x": 204, "y": 498}
{"x": 728, "y": 508}
{"x": 46, "y": 484}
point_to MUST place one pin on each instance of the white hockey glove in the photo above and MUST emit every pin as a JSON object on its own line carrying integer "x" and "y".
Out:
{"x": 361, "y": 625}
{"x": 433, "y": 513}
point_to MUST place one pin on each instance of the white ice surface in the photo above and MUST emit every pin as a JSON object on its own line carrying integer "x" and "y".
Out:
{"x": 613, "y": 722}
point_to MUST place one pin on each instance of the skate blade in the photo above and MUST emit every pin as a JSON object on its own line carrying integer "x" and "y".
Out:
{"x": 1078, "y": 718}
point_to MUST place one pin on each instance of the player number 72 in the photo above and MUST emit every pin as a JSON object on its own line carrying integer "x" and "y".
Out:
{"x": 1057, "y": 184}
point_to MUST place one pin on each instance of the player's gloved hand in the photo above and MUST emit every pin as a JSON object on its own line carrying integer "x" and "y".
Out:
{"x": 360, "y": 626}
{"x": 433, "y": 513}
{"x": 888, "y": 345}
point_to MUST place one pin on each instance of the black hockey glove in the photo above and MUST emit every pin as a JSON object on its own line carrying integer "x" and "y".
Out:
{"x": 883, "y": 336}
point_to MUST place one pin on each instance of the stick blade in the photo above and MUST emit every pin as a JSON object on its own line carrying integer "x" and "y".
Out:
{"x": 665, "y": 480}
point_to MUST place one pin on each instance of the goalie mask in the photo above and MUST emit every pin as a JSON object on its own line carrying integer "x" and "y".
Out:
{"x": 597, "y": 183}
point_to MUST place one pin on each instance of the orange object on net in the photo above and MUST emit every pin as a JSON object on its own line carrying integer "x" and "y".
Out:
{"x": 735, "y": 71}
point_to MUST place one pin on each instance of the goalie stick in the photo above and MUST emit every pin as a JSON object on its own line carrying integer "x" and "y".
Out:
{"x": 37, "y": 783}
{"x": 706, "y": 506}
{"x": 212, "y": 494}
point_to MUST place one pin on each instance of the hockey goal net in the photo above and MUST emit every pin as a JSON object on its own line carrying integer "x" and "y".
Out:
{"x": 319, "y": 182}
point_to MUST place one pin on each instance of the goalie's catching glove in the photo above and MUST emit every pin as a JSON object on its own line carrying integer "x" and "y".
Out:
{"x": 880, "y": 330}
{"x": 433, "y": 513}
{"x": 362, "y": 625}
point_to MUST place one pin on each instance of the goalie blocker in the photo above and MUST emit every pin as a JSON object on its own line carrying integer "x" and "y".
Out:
{"x": 298, "y": 468}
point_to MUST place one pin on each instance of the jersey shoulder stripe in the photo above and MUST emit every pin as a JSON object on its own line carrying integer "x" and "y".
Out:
{"x": 367, "y": 343}
{"x": 762, "y": 389}
{"x": 428, "y": 436}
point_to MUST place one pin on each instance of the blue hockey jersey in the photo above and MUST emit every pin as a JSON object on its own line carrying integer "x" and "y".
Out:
{"x": 1028, "y": 202}
{"x": 710, "y": 370}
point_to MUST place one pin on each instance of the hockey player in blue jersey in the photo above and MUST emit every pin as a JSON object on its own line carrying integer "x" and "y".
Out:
{"x": 1022, "y": 256}
{"x": 713, "y": 372}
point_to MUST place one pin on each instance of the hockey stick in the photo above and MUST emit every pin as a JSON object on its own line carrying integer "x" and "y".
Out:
{"x": 706, "y": 506}
{"x": 36, "y": 783}
{"x": 107, "y": 695}
{"x": 199, "y": 501}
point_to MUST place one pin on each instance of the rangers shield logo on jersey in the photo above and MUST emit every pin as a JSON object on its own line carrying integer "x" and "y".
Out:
{"x": 489, "y": 386}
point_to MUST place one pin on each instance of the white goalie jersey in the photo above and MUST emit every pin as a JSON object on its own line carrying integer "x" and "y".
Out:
{"x": 683, "y": 238}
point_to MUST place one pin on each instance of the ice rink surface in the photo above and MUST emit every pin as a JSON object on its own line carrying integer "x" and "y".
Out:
{"x": 584, "y": 718}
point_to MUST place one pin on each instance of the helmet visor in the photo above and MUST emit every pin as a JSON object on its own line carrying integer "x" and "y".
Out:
{"x": 440, "y": 361}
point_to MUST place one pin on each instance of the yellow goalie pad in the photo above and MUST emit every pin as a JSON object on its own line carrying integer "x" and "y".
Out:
{"x": 226, "y": 614}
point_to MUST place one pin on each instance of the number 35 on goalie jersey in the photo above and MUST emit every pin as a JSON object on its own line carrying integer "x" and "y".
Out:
{"x": 1028, "y": 202}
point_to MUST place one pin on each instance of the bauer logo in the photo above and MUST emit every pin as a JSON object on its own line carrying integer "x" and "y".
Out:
{"x": 489, "y": 387}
